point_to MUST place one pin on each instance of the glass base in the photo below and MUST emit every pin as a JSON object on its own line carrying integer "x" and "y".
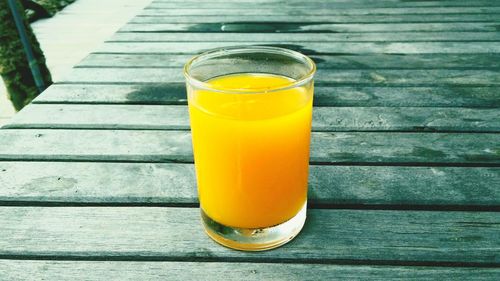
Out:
{"x": 254, "y": 239}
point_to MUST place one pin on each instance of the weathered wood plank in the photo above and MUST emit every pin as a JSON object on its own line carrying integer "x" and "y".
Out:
{"x": 331, "y": 18}
{"x": 372, "y": 61}
{"x": 175, "y": 233}
{"x": 405, "y": 148}
{"x": 175, "y": 93}
{"x": 319, "y": 4}
{"x": 313, "y": 1}
{"x": 392, "y": 77}
{"x": 327, "y": 148}
{"x": 304, "y": 37}
{"x": 164, "y": 183}
{"x": 322, "y": 12}
{"x": 125, "y": 270}
{"x": 169, "y": 117}
{"x": 164, "y": 117}
{"x": 309, "y": 48}
{"x": 135, "y": 94}
{"x": 309, "y": 27}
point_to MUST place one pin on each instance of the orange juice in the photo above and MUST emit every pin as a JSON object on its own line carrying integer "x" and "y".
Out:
{"x": 251, "y": 150}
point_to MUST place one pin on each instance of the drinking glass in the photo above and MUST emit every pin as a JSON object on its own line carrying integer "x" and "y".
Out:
{"x": 250, "y": 111}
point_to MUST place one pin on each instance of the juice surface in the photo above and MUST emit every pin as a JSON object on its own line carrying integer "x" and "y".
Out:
{"x": 251, "y": 150}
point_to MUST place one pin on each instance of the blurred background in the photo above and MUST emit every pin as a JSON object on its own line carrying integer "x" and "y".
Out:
{"x": 66, "y": 30}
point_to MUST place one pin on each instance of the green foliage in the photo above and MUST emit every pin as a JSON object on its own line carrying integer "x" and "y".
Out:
{"x": 14, "y": 67}
{"x": 37, "y": 9}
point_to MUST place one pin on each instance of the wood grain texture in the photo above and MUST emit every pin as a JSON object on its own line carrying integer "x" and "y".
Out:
{"x": 356, "y": 2}
{"x": 319, "y": 4}
{"x": 136, "y": 94}
{"x": 97, "y": 180}
{"x": 309, "y": 27}
{"x": 391, "y": 77}
{"x": 371, "y": 61}
{"x": 175, "y": 93}
{"x": 304, "y": 37}
{"x": 168, "y": 146}
{"x": 175, "y": 184}
{"x": 176, "y": 234}
{"x": 323, "y": 12}
{"x": 164, "y": 117}
{"x": 307, "y": 48}
{"x": 317, "y": 18}
{"x": 23, "y": 270}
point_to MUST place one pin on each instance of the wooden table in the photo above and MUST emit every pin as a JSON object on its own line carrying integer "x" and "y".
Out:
{"x": 97, "y": 178}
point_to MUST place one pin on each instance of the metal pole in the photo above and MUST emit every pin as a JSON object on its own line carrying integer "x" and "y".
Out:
{"x": 35, "y": 70}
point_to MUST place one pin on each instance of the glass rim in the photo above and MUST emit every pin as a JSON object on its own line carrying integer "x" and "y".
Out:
{"x": 217, "y": 52}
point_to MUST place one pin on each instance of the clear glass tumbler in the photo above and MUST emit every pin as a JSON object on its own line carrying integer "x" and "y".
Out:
{"x": 250, "y": 112}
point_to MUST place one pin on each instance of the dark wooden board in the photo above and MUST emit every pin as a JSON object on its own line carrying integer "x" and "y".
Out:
{"x": 465, "y": 17}
{"x": 317, "y": 4}
{"x": 329, "y": 236}
{"x": 356, "y": 2}
{"x": 174, "y": 146}
{"x": 310, "y": 27}
{"x": 322, "y": 12}
{"x": 162, "y": 117}
{"x": 379, "y": 95}
{"x": 323, "y": 62}
{"x": 238, "y": 271}
{"x": 175, "y": 184}
{"x": 350, "y": 77}
{"x": 312, "y": 48}
{"x": 279, "y": 38}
